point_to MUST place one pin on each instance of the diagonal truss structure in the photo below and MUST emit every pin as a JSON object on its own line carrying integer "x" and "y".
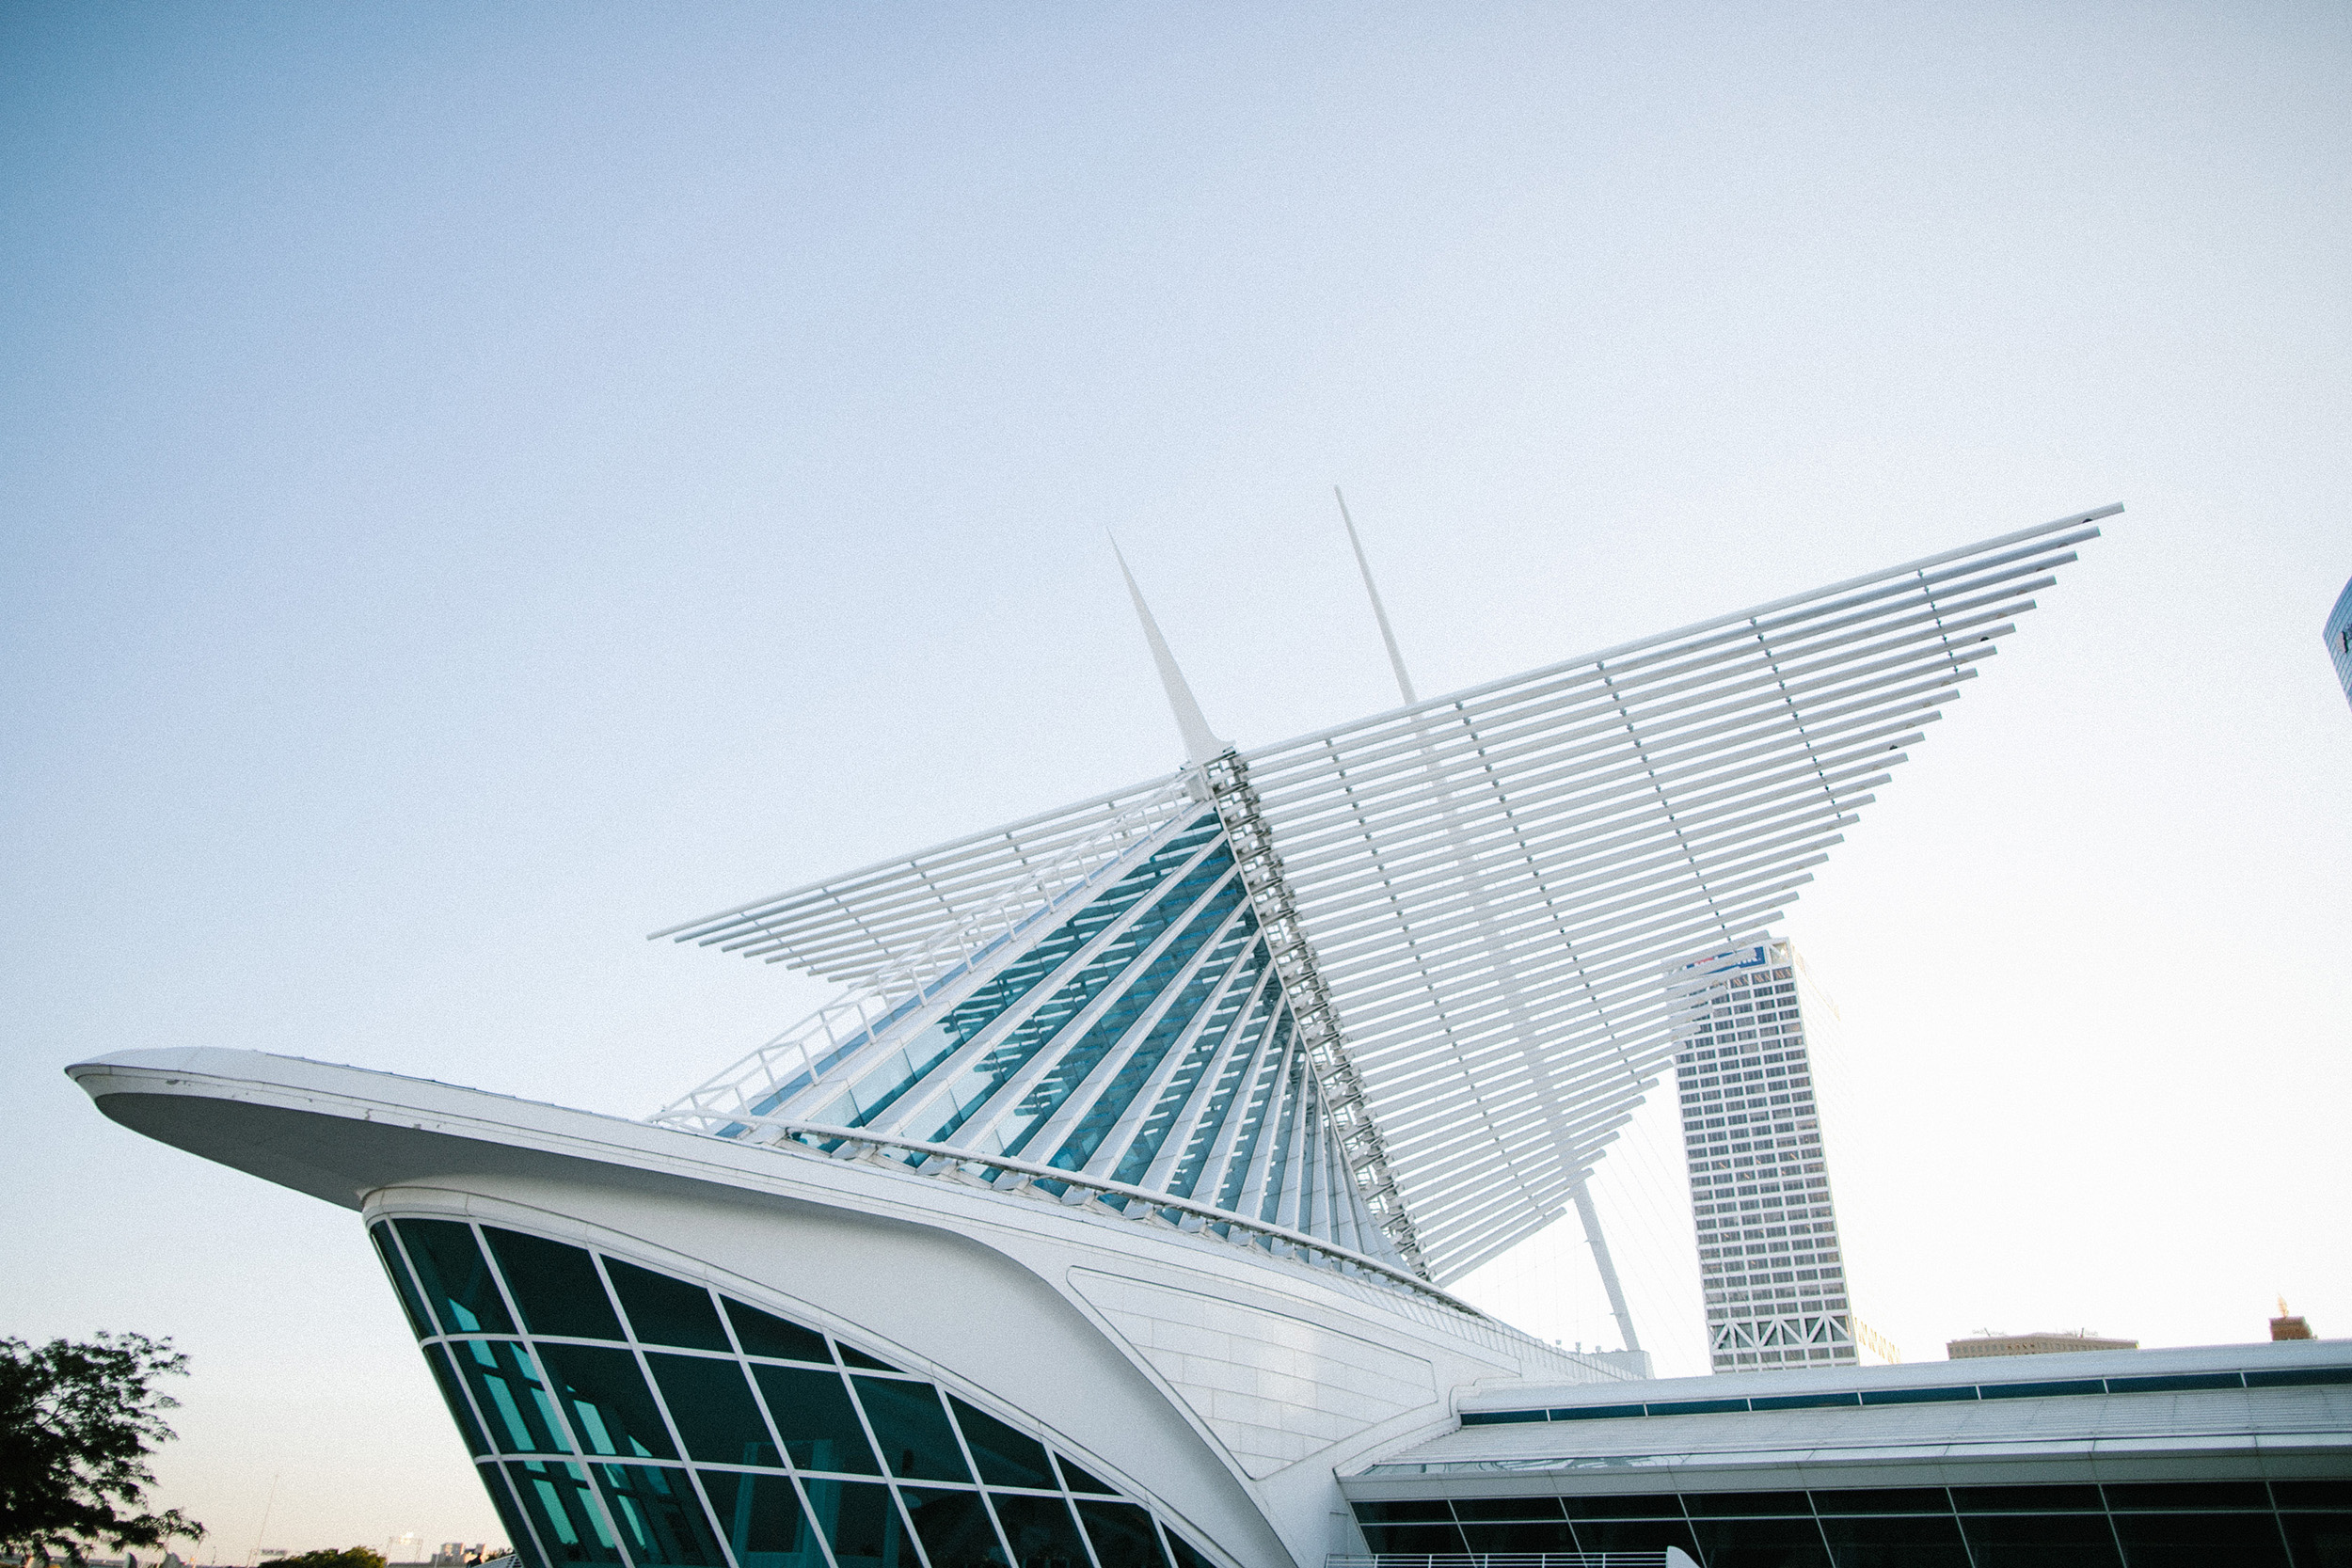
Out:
{"x": 1404, "y": 978}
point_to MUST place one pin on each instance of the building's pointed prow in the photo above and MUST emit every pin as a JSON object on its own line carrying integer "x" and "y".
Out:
{"x": 1202, "y": 746}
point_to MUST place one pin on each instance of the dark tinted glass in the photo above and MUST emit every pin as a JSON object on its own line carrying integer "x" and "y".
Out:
{"x": 860, "y": 1524}
{"x": 1761, "y": 1544}
{"x": 558, "y": 1499}
{"x": 2180, "y": 1496}
{"x": 2039, "y": 1539}
{"x": 666, "y": 1311}
{"x": 911, "y": 1428}
{"x": 512, "y": 1401}
{"x": 409, "y": 1301}
{"x": 555, "y": 1286}
{"x": 2027, "y": 1499}
{"x": 510, "y": 1514}
{"x": 612, "y": 1410}
{"x": 1657, "y": 1505}
{"x": 1524, "y": 1535}
{"x": 436, "y": 1357}
{"x": 712, "y": 1407}
{"x": 1122, "y": 1535}
{"x": 762, "y": 1520}
{"x": 2313, "y": 1494}
{"x": 765, "y": 1334}
{"x": 2175, "y": 1382}
{"x": 1470, "y": 1509}
{"x": 1078, "y": 1481}
{"x": 1718, "y": 1504}
{"x": 2201, "y": 1540}
{"x": 1006, "y": 1457}
{"x": 660, "y": 1518}
{"x": 859, "y": 1358}
{"x": 456, "y": 1281}
{"x": 1406, "y": 1510}
{"x": 955, "y": 1528}
{"x": 1891, "y": 1499}
{"x": 1041, "y": 1531}
{"x": 2040, "y": 1390}
{"x": 813, "y": 1417}
{"x": 1636, "y": 1535}
{"x": 2318, "y": 1540}
{"x": 1415, "y": 1539}
{"x": 1894, "y": 1541}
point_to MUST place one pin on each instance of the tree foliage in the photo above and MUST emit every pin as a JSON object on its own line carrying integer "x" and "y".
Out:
{"x": 350, "y": 1557}
{"x": 77, "y": 1421}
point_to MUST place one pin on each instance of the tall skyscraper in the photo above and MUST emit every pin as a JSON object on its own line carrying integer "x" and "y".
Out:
{"x": 2339, "y": 639}
{"x": 1774, "y": 1274}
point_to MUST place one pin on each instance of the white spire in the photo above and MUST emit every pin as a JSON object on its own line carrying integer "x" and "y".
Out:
{"x": 1379, "y": 611}
{"x": 1201, "y": 745}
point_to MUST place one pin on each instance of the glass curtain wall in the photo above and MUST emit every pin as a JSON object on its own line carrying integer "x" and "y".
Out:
{"x": 622, "y": 1416}
{"x": 2282, "y": 1524}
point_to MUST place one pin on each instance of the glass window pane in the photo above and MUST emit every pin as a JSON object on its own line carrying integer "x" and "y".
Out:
{"x": 666, "y": 1311}
{"x": 2039, "y": 1539}
{"x": 1520, "y": 1535}
{"x": 660, "y": 1518}
{"x": 1415, "y": 1539}
{"x": 860, "y": 1523}
{"x": 1761, "y": 1544}
{"x": 815, "y": 1418}
{"x": 508, "y": 1391}
{"x": 1470, "y": 1509}
{"x": 1006, "y": 1457}
{"x": 1743, "y": 1504}
{"x": 436, "y": 1357}
{"x": 765, "y": 1334}
{"x": 510, "y": 1514}
{"x": 1636, "y": 1535}
{"x": 1654, "y": 1505}
{"x": 2319, "y": 1540}
{"x": 711, "y": 1404}
{"x": 1078, "y": 1481}
{"x": 605, "y": 1397}
{"x": 859, "y": 1358}
{"x": 1890, "y": 1500}
{"x": 2179, "y": 1496}
{"x": 912, "y": 1430}
{"x": 1895, "y": 1541}
{"x": 1039, "y": 1530}
{"x": 2313, "y": 1494}
{"x": 456, "y": 1282}
{"x": 760, "y": 1516}
{"x": 2200, "y": 1540}
{"x": 555, "y": 1286}
{"x": 2028, "y": 1499}
{"x": 1122, "y": 1535}
{"x": 955, "y": 1528}
{"x": 563, "y": 1507}
{"x": 381, "y": 1235}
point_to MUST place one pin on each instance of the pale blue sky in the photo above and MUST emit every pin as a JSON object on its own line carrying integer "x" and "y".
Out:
{"x": 478, "y": 484}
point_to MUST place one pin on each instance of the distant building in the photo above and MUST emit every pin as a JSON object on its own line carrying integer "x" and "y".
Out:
{"x": 1769, "y": 1260}
{"x": 2032, "y": 1345}
{"x": 2286, "y": 1325}
{"x": 2339, "y": 639}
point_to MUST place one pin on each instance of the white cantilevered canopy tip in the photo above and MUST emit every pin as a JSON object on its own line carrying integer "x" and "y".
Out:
{"x": 1506, "y": 889}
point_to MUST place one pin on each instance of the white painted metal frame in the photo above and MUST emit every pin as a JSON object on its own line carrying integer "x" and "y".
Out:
{"x": 1504, "y": 888}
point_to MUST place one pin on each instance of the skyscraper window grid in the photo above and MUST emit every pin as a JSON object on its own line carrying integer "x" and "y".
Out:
{"x": 1770, "y": 1263}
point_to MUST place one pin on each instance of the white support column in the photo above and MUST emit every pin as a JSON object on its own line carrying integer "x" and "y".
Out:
{"x": 1599, "y": 1243}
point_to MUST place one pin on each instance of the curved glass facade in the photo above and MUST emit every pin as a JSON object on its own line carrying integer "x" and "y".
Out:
{"x": 2339, "y": 635}
{"x": 618, "y": 1415}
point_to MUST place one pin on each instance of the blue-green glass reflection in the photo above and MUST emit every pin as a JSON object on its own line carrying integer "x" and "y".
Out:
{"x": 860, "y": 1523}
{"x": 711, "y": 1404}
{"x": 813, "y": 1417}
{"x": 666, "y": 1311}
{"x": 444, "y": 1374}
{"x": 555, "y": 1286}
{"x": 389, "y": 1255}
{"x": 955, "y": 1528}
{"x": 612, "y": 1410}
{"x": 455, "y": 1280}
{"x": 1041, "y": 1531}
{"x": 1122, "y": 1535}
{"x": 1006, "y": 1456}
{"x": 563, "y": 1507}
{"x": 765, "y": 1334}
{"x": 512, "y": 1398}
{"x": 761, "y": 1518}
{"x": 662, "y": 1520}
{"x": 911, "y": 1428}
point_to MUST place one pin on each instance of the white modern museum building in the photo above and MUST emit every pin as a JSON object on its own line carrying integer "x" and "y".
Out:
{"x": 1106, "y": 1220}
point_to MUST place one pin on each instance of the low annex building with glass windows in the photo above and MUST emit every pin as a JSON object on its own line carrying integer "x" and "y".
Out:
{"x": 1108, "y": 1218}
